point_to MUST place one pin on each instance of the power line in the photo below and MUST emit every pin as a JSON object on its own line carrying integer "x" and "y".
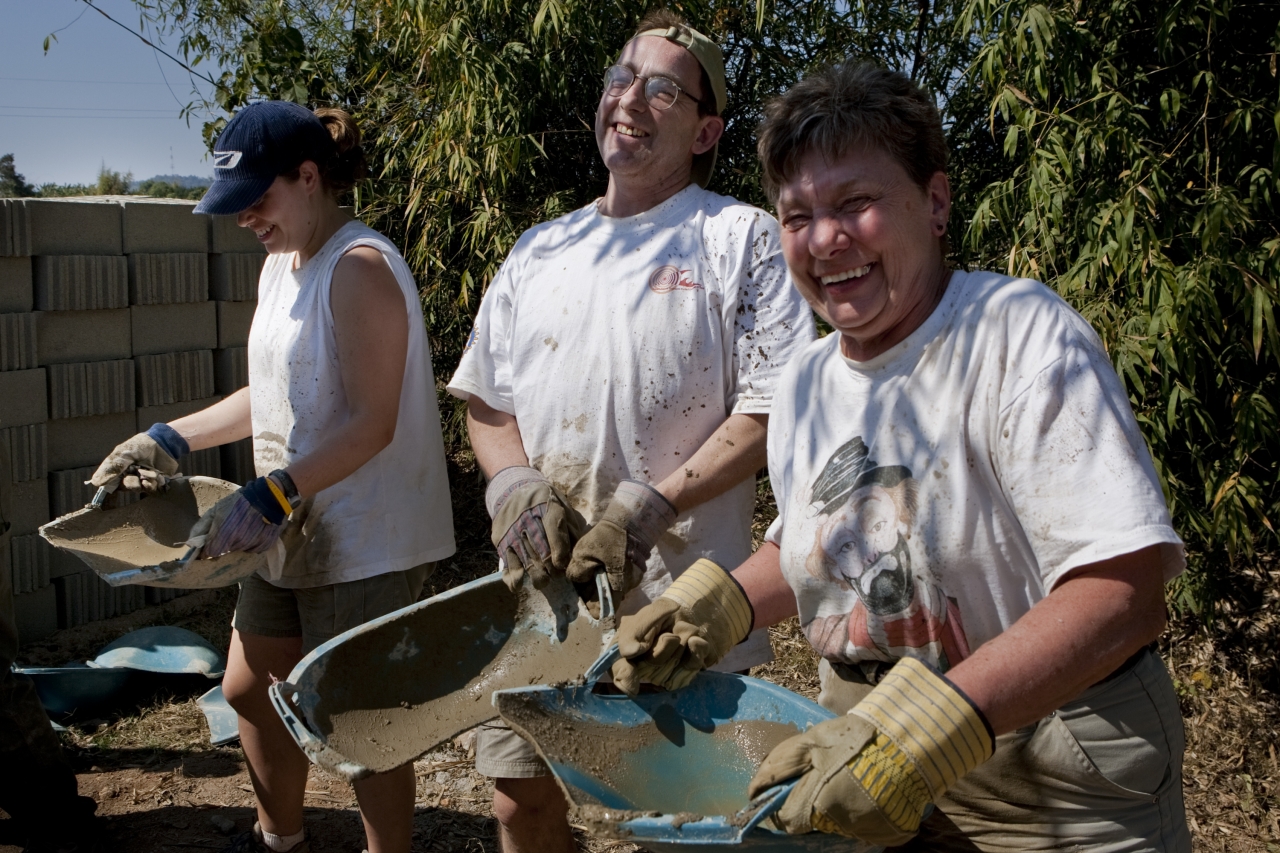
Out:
{"x": 85, "y": 109}
{"x": 94, "y": 118}
{"x": 102, "y": 82}
{"x": 150, "y": 44}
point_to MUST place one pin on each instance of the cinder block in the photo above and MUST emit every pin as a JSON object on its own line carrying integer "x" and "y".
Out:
{"x": 174, "y": 377}
{"x": 86, "y": 388}
{"x": 7, "y": 219}
{"x": 30, "y": 561}
{"x": 76, "y": 442}
{"x": 234, "y": 320}
{"x": 174, "y": 328}
{"x": 165, "y": 279}
{"x": 22, "y": 397}
{"x": 84, "y": 597}
{"x": 230, "y": 369}
{"x": 16, "y": 291}
{"x": 30, "y": 506}
{"x": 17, "y": 341}
{"x": 79, "y": 226}
{"x": 226, "y": 236}
{"x": 163, "y": 225}
{"x": 237, "y": 462}
{"x": 28, "y": 451}
{"x": 36, "y": 614}
{"x": 66, "y": 336}
{"x": 233, "y": 277}
{"x": 161, "y": 594}
{"x": 202, "y": 463}
{"x": 170, "y": 412}
{"x": 63, "y": 563}
{"x": 81, "y": 282}
{"x": 70, "y": 490}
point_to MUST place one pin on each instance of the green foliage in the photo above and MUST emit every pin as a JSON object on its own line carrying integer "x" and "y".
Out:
{"x": 13, "y": 185}
{"x": 51, "y": 190}
{"x": 1122, "y": 151}
{"x": 168, "y": 189}
{"x": 1142, "y": 145}
{"x": 112, "y": 183}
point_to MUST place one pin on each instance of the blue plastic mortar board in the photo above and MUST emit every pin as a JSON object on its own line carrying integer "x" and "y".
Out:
{"x": 224, "y": 725}
{"x": 82, "y": 690}
{"x": 166, "y": 649}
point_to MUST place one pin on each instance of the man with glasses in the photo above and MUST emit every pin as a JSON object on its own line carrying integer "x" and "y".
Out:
{"x": 620, "y": 375}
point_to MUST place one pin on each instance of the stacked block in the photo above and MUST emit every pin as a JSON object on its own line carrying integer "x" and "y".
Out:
{"x": 115, "y": 313}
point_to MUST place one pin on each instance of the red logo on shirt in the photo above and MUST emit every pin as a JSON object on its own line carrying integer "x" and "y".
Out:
{"x": 668, "y": 278}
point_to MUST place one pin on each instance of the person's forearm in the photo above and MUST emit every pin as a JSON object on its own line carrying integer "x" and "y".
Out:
{"x": 1075, "y": 637}
{"x": 734, "y": 452}
{"x": 495, "y": 438}
{"x": 222, "y": 423}
{"x": 761, "y": 579}
{"x": 342, "y": 453}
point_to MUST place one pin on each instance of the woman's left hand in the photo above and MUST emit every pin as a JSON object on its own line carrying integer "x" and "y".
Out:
{"x": 250, "y": 519}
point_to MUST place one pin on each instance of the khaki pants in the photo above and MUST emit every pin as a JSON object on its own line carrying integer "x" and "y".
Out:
{"x": 1103, "y": 774}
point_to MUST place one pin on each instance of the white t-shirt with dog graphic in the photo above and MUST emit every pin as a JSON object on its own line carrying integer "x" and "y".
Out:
{"x": 621, "y": 344}
{"x": 931, "y": 496}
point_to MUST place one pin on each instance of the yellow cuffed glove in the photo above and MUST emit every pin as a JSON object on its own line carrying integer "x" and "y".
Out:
{"x": 872, "y": 774}
{"x": 690, "y": 627}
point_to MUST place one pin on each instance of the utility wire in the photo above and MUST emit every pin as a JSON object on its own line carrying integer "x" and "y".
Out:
{"x": 151, "y": 45}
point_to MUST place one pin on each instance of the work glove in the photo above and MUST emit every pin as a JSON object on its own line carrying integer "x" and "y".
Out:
{"x": 872, "y": 773}
{"x": 690, "y": 627}
{"x": 250, "y": 519}
{"x": 620, "y": 542}
{"x": 144, "y": 462}
{"x": 534, "y": 528}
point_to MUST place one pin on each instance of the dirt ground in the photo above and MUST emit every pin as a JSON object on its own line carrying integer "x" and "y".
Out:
{"x": 162, "y": 787}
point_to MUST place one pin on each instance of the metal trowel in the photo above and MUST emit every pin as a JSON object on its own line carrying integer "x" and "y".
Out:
{"x": 144, "y": 542}
{"x": 384, "y": 693}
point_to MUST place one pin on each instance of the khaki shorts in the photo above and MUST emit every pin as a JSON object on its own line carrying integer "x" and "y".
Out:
{"x": 1103, "y": 773}
{"x": 321, "y": 613}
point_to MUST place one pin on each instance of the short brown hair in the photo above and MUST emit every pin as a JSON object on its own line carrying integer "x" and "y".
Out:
{"x": 661, "y": 19}
{"x": 848, "y": 106}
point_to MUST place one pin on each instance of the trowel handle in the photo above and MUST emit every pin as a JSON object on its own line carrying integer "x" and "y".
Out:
{"x": 603, "y": 664}
{"x": 100, "y": 497}
{"x": 766, "y": 804}
{"x": 297, "y": 729}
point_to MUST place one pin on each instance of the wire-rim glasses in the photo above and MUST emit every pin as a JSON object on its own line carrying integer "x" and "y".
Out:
{"x": 659, "y": 92}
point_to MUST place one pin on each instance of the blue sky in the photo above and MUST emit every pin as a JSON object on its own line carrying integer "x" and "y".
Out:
{"x": 98, "y": 96}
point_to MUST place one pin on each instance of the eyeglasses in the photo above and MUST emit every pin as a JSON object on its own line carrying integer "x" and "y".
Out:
{"x": 660, "y": 92}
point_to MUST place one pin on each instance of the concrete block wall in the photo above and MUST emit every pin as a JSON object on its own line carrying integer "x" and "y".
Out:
{"x": 115, "y": 313}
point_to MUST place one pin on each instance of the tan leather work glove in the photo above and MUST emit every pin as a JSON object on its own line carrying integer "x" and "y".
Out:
{"x": 620, "y": 542}
{"x": 144, "y": 462}
{"x": 872, "y": 774}
{"x": 534, "y": 528}
{"x": 688, "y": 628}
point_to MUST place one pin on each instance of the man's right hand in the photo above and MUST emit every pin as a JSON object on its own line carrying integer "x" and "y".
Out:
{"x": 143, "y": 462}
{"x": 534, "y": 528}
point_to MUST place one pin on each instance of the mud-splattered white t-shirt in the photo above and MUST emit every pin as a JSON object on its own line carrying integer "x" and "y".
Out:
{"x": 930, "y": 496}
{"x": 621, "y": 344}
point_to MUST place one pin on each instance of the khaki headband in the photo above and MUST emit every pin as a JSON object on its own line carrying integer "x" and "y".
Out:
{"x": 705, "y": 51}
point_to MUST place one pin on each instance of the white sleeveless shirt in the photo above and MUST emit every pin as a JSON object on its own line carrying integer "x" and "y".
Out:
{"x": 391, "y": 514}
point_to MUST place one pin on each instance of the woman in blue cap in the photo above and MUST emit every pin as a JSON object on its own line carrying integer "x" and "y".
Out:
{"x": 351, "y": 504}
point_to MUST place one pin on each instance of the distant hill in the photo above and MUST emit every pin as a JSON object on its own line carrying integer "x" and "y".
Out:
{"x": 184, "y": 181}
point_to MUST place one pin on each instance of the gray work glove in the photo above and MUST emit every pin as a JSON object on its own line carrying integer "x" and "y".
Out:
{"x": 534, "y": 528}
{"x": 620, "y": 542}
{"x": 142, "y": 463}
{"x": 687, "y": 629}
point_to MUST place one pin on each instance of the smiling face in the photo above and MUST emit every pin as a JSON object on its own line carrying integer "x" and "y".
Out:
{"x": 641, "y": 144}
{"x": 863, "y": 243}
{"x": 285, "y": 218}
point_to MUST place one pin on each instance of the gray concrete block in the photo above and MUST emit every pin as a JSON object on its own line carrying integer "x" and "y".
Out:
{"x": 30, "y": 561}
{"x": 84, "y": 598}
{"x": 18, "y": 341}
{"x": 165, "y": 279}
{"x": 76, "y": 442}
{"x": 170, "y": 412}
{"x": 226, "y": 236}
{"x": 161, "y": 594}
{"x": 79, "y": 226}
{"x": 70, "y": 490}
{"x": 234, "y": 320}
{"x": 24, "y": 398}
{"x": 16, "y": 292}
{"x": 85, "y": 388}
{"x": 174, "y": 328}
{"x": 63, "y": 563}
{"x": 81, "y": 282}
{"x": 30, "y": 506}
{"x": 163, "y": 225}
{"x": 230, "y": 369}
{"x": 174, "y": 377}
{"x": 237, "y": 462}
{"x": 202, "y": 463}
{"x": 233, "y": 277}
{"x": 28, "y": 451}
{"x": 67, "y": 336}
{"x": 7, "y": 217}
{"x": 36, "y": 614}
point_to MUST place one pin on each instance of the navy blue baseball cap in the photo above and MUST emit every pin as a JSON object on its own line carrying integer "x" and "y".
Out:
{"x": 260, "y": 143}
